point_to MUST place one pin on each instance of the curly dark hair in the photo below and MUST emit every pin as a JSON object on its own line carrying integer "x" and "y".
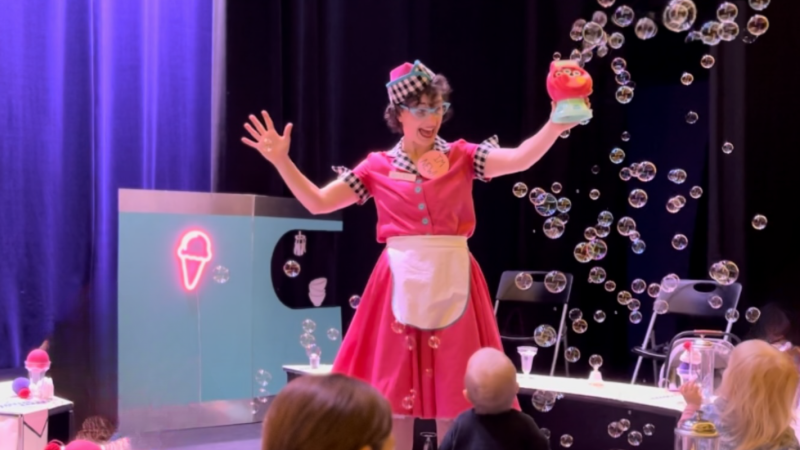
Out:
{"x": 439, "y": 87}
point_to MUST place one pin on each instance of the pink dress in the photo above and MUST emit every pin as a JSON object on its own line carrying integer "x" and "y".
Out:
{"x": 420, "y": 372}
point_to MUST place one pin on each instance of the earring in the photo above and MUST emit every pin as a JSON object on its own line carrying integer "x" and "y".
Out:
{"x": 299, "y": 244}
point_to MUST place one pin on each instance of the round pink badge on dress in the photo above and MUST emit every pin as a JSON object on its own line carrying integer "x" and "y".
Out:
{"x": 433, "y": 164}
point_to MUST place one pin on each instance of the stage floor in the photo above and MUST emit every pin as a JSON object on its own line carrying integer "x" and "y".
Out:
{"x": 233, "y": 437}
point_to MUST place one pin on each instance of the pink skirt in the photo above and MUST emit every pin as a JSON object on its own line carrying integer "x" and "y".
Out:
{"x": 421, "y": 373}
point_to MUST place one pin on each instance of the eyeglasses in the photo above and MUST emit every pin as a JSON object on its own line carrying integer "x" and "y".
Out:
{"x": 422, "y": 112}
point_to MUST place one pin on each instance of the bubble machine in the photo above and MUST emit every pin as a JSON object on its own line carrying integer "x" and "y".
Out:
{"x": 569, "y": 85}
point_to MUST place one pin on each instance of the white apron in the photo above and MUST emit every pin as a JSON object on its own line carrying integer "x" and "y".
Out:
{"x": 430, "y": 279}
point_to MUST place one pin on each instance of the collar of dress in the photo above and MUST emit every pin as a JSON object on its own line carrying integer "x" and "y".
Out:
{"x": 401, "y": 160}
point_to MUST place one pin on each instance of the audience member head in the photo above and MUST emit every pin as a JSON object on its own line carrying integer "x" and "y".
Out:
{"x": 331, "y": 412}
{"x": 491, "y": 381}
{"x": 773, "y": 325}
{"x": 759, "y": 387}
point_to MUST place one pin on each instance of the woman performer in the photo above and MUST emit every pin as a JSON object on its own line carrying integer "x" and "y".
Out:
{"x": 426, "y": 308}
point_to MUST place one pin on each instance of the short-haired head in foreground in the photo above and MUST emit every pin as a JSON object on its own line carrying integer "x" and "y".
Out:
{"x": 491, "y": 381}
{"x": 328, "y": 412}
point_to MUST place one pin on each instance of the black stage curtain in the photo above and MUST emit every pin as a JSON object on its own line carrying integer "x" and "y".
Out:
{"x": 323, "y": 64}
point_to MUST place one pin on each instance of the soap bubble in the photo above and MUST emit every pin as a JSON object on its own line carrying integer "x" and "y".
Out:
{"x": 757, "y": 25}
{"x": 679, "y": 15}
{"x": 566, "y": 441}
{"x": 660, "y": 307}
{"x": 731, "y": 315}
{"x": 544, "y": 336}
{"x": 696, "y": 192}
{"x": 625, "y": 174}
{"x": 576, "y": 55}
{"x": 635, "y": 317}
{"x": 572, "y": 354}
{"x": 646, "y": 171}
{"x": 679, "y": 242}
{"x": 752, "y": 314}
{"x": 597, "y": 249}
{"x": 646, "y": 28}
{"x": 523, "y": 281}
{"x": 634, "y": 304}
{"x": 553, "y": 227}
{"x": 546, "y": 204}
{"x": 592, "y": 33}
{"x": 691, "y": 117}
{"x": 600, "y": 18}
{"x": 564, "y": 205}
{"x": 648, "y": 429}
{"x": 586, "y": 56}
{"x": 626, "y": 226}
{"x": 616, "y": 40}
{"x": 759, "y": 222}
{"x": 594, "y": 194}
{"x": 624, "y": 297}
{"x": 687, "y": 78}
{"x": 759, "y": 5}
{"x": 575, "y": 314}
{"x": 653, "y": 290}
{"x": 555, "y": 281}
{"x": 727, "y": 148}
{"x": 307, "y": 340}
{"x": 624, "y": 94}
{"x": 590, "y": 233}
{"x": 599, "y": 316}
{"x": 638, "y": 286}
{"x": 670, "y": 282}
{"x": 707, "y": 61}
{"x": 623, "y": 16}
{"x": 354, "y": 301}
{"x": 677, "y": 176}
{"x": 556, "y": 187}
{"x": 602, "y": 51}
{"x": 615, "y": 430}
{"x": 546, "y": 433}
{"x": 625, "y": 424}
{"x": 595, "y": 169}
{"x": 729, "y": 31}
{"x": 618, "y": 64}
{"x": 605, "y": 3}
{"x": 582, "y": 252}
{"x": 602, "y": 230}
{"x": 635, "y": 438}
{"x": 564, "y": 134}
{"x": 605, "y": 218}
{"x": 724, "y": 272}
{"x": 309, "y": 326}
{"x": 622, "y": 77}
{"x": 610, "y": 286}
{"x": 710, "y": 33}
{"x": 617, "y": 155}
{"x": 727, "y": 12}
{"x": 715, "y": 302}
{"x": 596, "y": 361}
{"x": 638, "y": 246}
{"x": 334, "y": 334}
{"x": 291, "y": 269}
{"x": 520, "y": 190}
{"x": 221, "y": 274}
{"x": 597, "y": 275}
{"x": 556, "y": 56}
{"x": 637, "y": 198}
{"x": 535, "y": 195}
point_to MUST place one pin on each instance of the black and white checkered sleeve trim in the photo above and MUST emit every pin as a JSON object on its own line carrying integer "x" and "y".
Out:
{"x": 481, "y": 153}
{"x": 355, "y": 183}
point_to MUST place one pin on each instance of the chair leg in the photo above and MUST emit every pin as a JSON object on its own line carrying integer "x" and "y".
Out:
{"x": 636, "y": 370}
{"x": 566, "y": 363}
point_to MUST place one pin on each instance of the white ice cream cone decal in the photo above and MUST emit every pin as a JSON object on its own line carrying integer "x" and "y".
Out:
{"x": 194, "y": 253}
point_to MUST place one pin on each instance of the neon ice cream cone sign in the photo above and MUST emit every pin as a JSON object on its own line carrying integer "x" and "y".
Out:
{"x": 194, "y": 252}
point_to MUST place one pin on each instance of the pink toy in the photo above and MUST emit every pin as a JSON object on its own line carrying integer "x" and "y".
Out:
{"x": 569, "y": 86}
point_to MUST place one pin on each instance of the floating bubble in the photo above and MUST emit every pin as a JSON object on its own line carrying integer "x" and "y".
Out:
{"x": 729, "y": 31}
{"x": 566, "y": 441}
{"x": 291, "y": 268}
{"x": 597, "y": 275}
{"x": 307, "y": 340}
{"x": 610, "y": 286}
{"x": 575, "y": 314}
{"x": 605, "y": 218}
{"x": 622, "y": 77}
{"x": 749, "y": 38}
{"x": 535, "y": 195}
{"x": 605, "y": 3}
{"x": 653, "y": 290}
{"x": 752, "y": 314}
{"x": 602, "y": 51}
{"x": 623, "y": 16}
{"x": 625, "y": 174}
{"x": 724, "y": 272}
{"x": 646, "y": 171}
{"x": 592, "y": 33}
{"x": 564, "y": 205}
{"x": 545, "y": 432}
{"x": 555, "y": 281}
{"x": 759, "y": 5}
{"x": 638, "y": 286}
{"x": 624, "y": 94}
{"x": 576, "y": 55}
{"x": 645, "y": 28}
{"x": 434, "y": 342}
{"x": 572, "y": 354}
{"x": 543, "y": 401}
{"x": 617, "y": 155}
{"x": 626, "y": 226}
{"x": 546, "y": 204}
{"x": 600, "y": 18}
{"x": 556, "y": 56}
{"x": 408, "y": 402}
{"x": 334, "y": 334}
{"x": 670, "y": 282}
{"x": 602, "y": 230}
{"x": 596, "y": 362}
{"x": 564, "y": 134}
{"x": 710, "y": 32}
{"x": 660, "y": 307}
{"x": 556, "y": 187}
{"x": 553, "y": 227}
{"x": 691, "y": 117}
{"x": 637, "y": 198}
{"x": 759, "y": 222}
{"x": 687, "y": 78}
{"x": 523, "y": 280}
{"x": 727, "y": 12}
{"x": 638, "y": 246}
{"x": 597, "y": 249}
{"x": 618, "y": 64}
{"x": 616, "y": 40}
{"x": 625, "y": 424}
{"x": 635, "y": 438}
{"x": 731, "y": 315}
{"x": 677, "y": 176}
{"x": 715, "y": 301}
{"x": 649, "y": 429}
{"x": 696, "y": 192}
{"x": 594, "y": 194}
{"x": 582, "y": 252}
{"x": 520, "y": 190}
{"x": 221, "y": 274}
{"x": 354, "y": 301}
{"x": 309, "y": 326}
{"x": 707, "y": 61}
{"x": 563, "y": 217}
{"x": 590, "y": 233}
{"x": 599, "y": 316}
{"x": 757, "y": 25}
{"x": 679, "y": 15}
{"x": 727, "y": 148}
{"x": 634, "y": 236}
{"x": 544, "y": 336}
{"x": 263, "y": 377}
{"x": 586, "y": 56}
{"x": 615, "y": 430}
{"x": 624, "y": 297}
{"x": 679, "y": 242}
{"x": 635, "y": 317}
{"x": 673, "y": 206}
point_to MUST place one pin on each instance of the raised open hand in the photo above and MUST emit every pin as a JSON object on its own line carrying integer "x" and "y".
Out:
{"x": 272, "y": 146}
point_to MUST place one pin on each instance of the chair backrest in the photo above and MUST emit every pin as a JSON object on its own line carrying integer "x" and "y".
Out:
{"x": 537, "y": 293}
{"x": 691, "y": 298}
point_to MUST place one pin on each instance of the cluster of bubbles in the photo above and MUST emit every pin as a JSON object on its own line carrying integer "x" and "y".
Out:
{"x": 262, "y": 380}
{"x": 635, "y": 438}
{"x": 221, "y": 274}
{"x": 309, "y": 342}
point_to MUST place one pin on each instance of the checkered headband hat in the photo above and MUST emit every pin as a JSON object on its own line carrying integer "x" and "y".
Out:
{"x": 407, "y": 80}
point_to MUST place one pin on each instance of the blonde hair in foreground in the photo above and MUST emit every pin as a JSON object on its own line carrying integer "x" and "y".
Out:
{"x": 759, "y": 388}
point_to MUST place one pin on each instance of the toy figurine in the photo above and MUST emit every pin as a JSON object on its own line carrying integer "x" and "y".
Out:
{"x": 569, "y": 86}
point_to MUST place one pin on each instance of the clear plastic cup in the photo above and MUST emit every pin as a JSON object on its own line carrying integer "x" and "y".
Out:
{"x": 526, "y": 354}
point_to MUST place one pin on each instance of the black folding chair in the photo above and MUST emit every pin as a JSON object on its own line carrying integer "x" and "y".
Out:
{"x": 690, "y": 298}
{"x": 508, "y": 291}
